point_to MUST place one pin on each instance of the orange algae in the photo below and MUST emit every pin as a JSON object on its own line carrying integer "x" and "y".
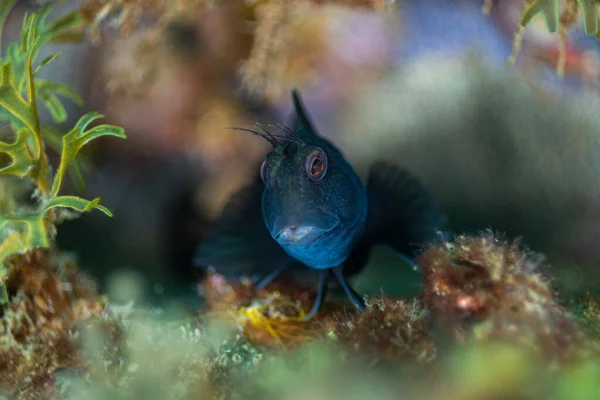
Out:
{"x": 273, "y": 317}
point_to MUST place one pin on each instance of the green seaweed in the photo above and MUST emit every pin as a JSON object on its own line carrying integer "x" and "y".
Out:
{"x": 548, "y": 9}
{"x": 589, "y": 9}
{"x": 26, "y": 227}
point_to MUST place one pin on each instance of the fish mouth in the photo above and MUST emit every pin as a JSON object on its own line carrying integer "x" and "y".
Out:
{"x": 302, "y": 232}
{"x": 302, "y": 235}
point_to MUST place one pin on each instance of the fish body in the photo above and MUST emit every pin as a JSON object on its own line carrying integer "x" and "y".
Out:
{"x": 311, "y": 209}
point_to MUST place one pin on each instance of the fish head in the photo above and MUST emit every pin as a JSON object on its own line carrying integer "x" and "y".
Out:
{"x": 313, "y": 202}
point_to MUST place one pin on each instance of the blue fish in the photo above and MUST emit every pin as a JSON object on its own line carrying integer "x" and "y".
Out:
{"x": 310, "y": 209}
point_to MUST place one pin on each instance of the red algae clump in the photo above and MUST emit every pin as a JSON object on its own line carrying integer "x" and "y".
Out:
{"x": 49, "y": 302}
{"x": 391, "y": 330}
{"x": 486, "y": 288}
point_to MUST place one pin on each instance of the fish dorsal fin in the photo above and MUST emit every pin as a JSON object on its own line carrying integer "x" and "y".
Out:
{"x": 304, "y": 127}
{"x": 402, "y": 214}
{"x": 240, "y": 243}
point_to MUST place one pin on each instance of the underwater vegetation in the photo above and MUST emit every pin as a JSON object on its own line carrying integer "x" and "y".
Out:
{"x": 549, "y": 10}
{"x": 275, "y": 24}
{"x": 502, "y": 334}
{"x": 488, "y": 323}
{"x": 24, "y": 227}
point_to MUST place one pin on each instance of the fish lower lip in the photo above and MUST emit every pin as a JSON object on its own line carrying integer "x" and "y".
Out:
{"x": 303, "y": 240}
{"x": 311, "y": 240}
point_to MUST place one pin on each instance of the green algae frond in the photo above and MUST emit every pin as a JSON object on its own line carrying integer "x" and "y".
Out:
{"x": 549, "y": 10}
{"x": 23, "y": 227}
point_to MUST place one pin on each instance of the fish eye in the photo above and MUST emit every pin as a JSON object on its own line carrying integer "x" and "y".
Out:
{"x": 263, "y": 172}
{"x": 316, "y": 165}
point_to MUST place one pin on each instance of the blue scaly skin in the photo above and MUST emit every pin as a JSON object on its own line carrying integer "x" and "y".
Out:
{"x": 311, "y": 209}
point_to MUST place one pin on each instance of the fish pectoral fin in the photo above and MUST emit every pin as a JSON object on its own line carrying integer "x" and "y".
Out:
{"x": 324, "y": 275}
{"x": 265, "y": 279}
{"x": 239, "y": 243}
{"x": 407, "y": 259}
{"x": 402, "y": 214}
{"x": 321, "y": 293}
{"x": 350, "y": 292}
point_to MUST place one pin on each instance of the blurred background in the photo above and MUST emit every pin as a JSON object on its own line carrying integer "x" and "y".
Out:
{"x": 422, "y": 84}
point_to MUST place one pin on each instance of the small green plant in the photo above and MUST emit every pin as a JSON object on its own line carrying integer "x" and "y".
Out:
{"x": 23, "y": 227}
{"x": 549, "y": 10}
